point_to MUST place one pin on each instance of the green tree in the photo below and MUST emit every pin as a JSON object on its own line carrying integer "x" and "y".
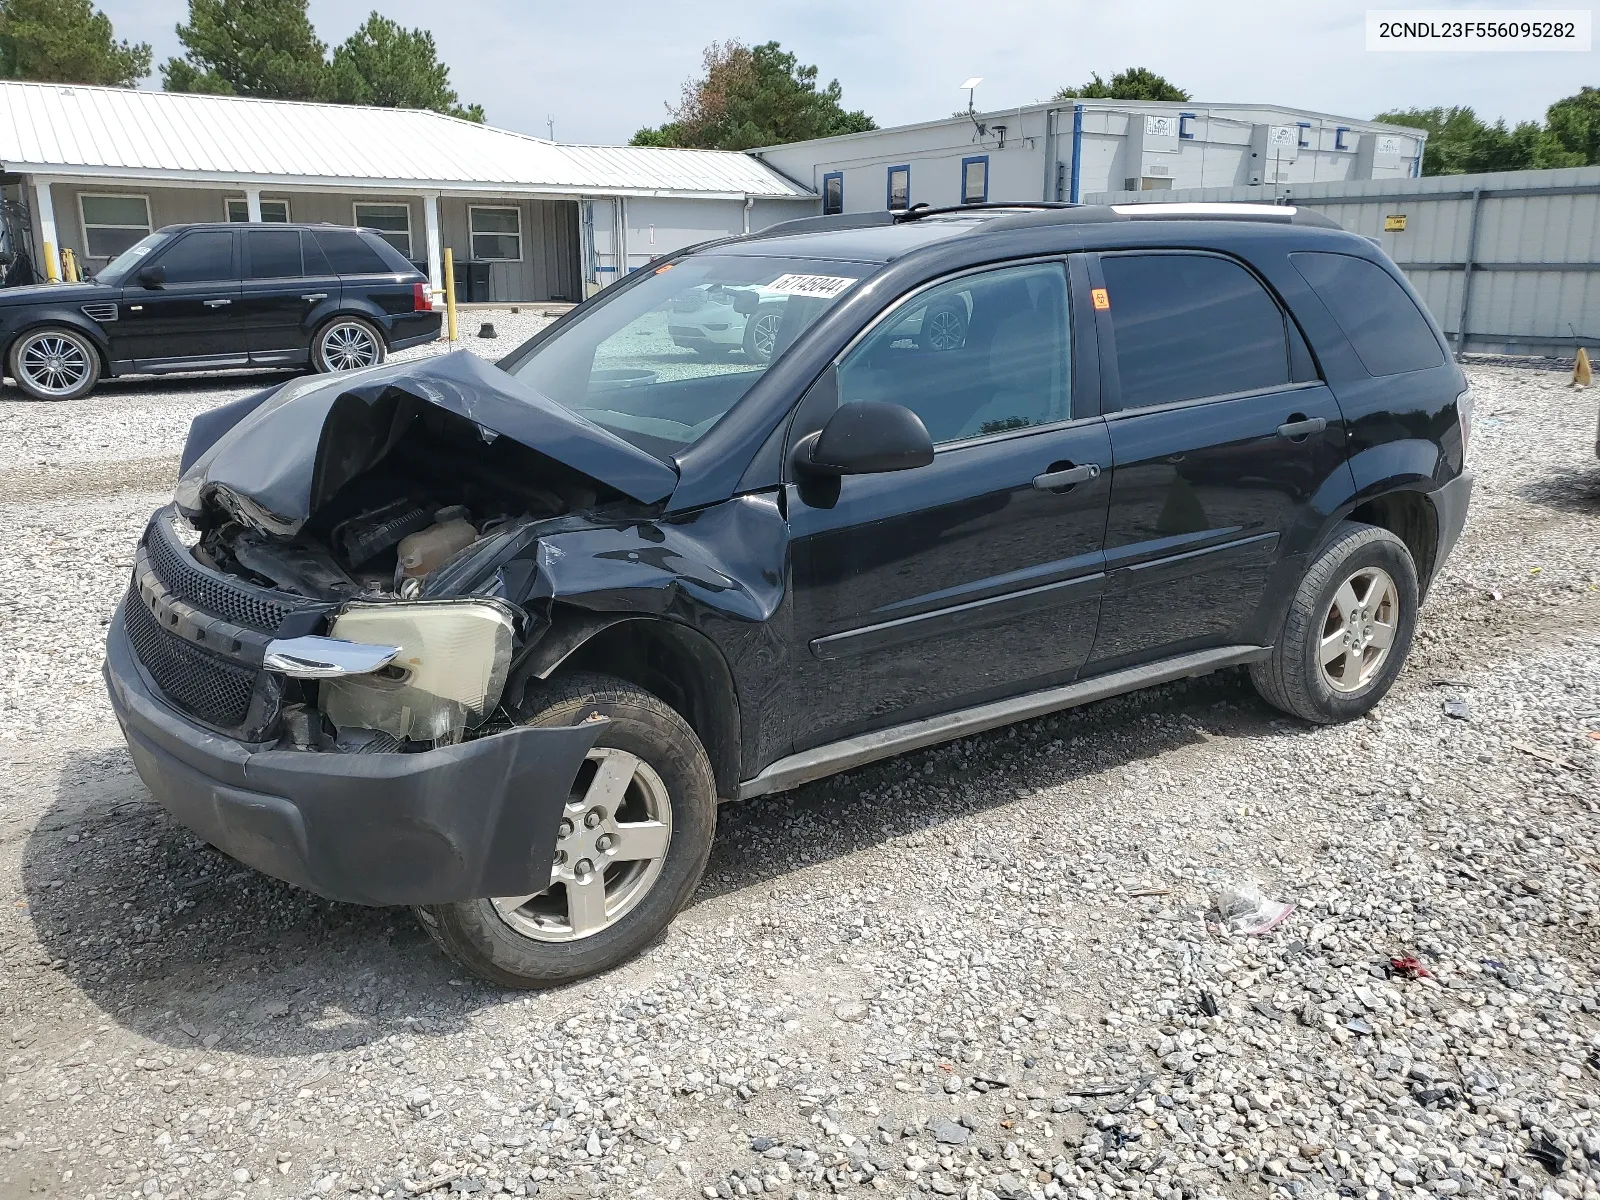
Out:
{"x": 1459, "y": 142}
{"x": 1136, "y": 83}
{"x": 1575, "y": 124}
{"x": 385, "y": 64}
{"x": 248, "y": 48}
{"x": 754, "y": 96}
{"x": 66, "y": 41}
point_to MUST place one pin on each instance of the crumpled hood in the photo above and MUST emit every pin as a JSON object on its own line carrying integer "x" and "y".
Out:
{"x": 290, "y": 450}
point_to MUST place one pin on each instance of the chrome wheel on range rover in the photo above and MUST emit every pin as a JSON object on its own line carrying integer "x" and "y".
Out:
{"x": 631, "y": 848}
{"x": 54, "y": 364}
{"x": 347, "y": 344}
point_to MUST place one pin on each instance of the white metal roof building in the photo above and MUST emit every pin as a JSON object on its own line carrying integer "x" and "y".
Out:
{"x": 1066, "y": 149}
{"x": 98, "y": 167}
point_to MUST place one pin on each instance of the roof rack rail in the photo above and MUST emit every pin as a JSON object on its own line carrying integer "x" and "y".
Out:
{"x": 860, "y": 220}
{"x": 917, "y": 211}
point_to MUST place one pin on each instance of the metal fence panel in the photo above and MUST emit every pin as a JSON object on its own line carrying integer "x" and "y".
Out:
{"x": 1508, "y": 262}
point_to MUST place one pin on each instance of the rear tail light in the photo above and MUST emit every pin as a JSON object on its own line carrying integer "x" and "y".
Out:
{"x": 421, "y": 298}
{"x": 1465, "y": 406}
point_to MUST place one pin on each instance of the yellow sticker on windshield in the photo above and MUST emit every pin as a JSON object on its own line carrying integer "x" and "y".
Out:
{"x": 1102, "y": 299}
{"x": 825, "y": 287}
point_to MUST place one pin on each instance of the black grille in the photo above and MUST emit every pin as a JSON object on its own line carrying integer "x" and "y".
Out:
{"x": 212, "y": 688}
{"x": 232, "y": 600}
{"x": 101, "y": 310}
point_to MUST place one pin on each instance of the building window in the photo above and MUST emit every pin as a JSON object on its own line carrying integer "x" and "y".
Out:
{"x": 496, "y": 234}
{"x": 392, "y": 222}
{"x": 833, "y": 193}
{"x": 276, "y": 211}
{"x": 112, "y": 223}
{"x": 900, "y": 187}
{"x": 975, "y": 179}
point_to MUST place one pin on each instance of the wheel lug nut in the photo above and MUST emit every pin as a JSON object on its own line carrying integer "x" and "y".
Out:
{"x": 565, "y": 829}
{"x": 561, "y": 857}
{"x": 604, "y": 842}
{"x": 584, "y": 867}
{"x": 593, "y": 817}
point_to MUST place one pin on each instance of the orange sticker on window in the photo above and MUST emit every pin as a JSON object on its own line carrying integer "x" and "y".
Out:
{"x": 1101, "y": 300}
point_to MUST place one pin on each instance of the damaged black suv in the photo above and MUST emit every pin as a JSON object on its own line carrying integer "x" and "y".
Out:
{"x": 492, "y": 640}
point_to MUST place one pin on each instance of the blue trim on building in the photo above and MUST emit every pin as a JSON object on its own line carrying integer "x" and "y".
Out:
{"x": 1077, "y": 152}
{"x": 965, "y": 162}
{"x": 1300, "y": 139}
{"x": 1183, "y": 129}
{"x": 1338, "y": 137}
{"x": 839, "y": 175}
{"x": 889, "y": 186}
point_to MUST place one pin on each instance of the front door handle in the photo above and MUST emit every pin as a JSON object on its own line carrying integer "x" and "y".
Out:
{"x": 1053, "y": 481}
{"x": 1298, "y": 426}
{"x": 313, "y": 297}
{"x": 217, "y": 303}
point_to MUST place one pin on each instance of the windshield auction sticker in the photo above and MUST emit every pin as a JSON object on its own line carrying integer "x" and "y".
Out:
{"x": 1422, "y": 29}
{"x": 824, "y": 286}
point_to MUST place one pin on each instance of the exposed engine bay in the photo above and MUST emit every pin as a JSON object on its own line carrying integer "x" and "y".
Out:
{"x": 377, "y": 508}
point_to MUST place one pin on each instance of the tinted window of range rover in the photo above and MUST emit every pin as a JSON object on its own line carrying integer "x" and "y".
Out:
{"x": 1191, "y": 325}
{"x": 205, "y": 256}
{"x": 1389, "y": 335}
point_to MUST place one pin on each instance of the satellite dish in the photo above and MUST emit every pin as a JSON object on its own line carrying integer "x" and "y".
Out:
{"x": 972, "y": 83}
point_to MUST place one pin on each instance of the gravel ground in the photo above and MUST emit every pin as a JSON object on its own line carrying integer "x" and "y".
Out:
{"x": 992, "y": 969}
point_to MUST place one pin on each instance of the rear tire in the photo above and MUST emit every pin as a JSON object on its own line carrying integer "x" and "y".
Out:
{"x": 1348, "y": 630}
{"x": 538, "y": 943}
{"x": 347, "y": 344}
{"x": 54, "y": 362}
{"x": 761, "y": 333}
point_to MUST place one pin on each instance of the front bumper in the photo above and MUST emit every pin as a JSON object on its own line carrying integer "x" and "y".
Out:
{"x": 458, "y": 823}
{"x": 1450, "y": 504}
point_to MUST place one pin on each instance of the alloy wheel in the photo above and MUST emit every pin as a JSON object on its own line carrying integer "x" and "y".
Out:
{"x": 1358, "y": 630}
{"x": 349, "y": 346}
{"x": 945, "y": 330}
{"x": 610, "y": 848}
{"x": 765, "y": 336}
{"x": 54, "y": 364}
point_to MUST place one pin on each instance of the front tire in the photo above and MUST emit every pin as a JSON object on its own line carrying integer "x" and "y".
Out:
{"x": 1348, "y": 629}
{"x": 347, "y": 344}
{"x": 54, "y": 363}
{"x": 635, "y": 842}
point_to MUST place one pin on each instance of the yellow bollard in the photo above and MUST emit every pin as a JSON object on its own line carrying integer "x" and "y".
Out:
{"x": 52, "y": 270}
{"x": 1582, "y": 372}
{"x": 450, "y": 293}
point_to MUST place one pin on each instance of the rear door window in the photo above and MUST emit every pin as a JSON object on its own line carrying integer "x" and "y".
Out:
{"x": 205, "y": 256}
{"x": 1188, "y": 326}
{"x": 272, "y": 254}
{"x": 1389, "y": 334}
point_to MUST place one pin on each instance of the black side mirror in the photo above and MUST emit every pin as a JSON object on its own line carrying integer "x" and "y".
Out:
{"x": 153, "y": 277}
{"x": 745, "y": 302}
{"x": 863, "y": 438}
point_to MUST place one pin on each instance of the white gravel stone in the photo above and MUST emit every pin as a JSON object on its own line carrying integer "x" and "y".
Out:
{"x": 964, "y": 914}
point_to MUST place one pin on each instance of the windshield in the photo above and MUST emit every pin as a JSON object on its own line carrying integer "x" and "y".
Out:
{"x": 118, "y": 267}
{"x": 665, "y": 358}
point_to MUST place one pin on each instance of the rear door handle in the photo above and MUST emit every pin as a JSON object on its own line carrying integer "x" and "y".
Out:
{"x": 217, "y": 303}
{"x": 1052, "y": 481}
{"x": 1299, "y": 427}
{"x": 313, "y": 297}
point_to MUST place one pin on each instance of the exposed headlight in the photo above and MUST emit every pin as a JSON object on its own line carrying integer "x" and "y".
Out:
{"x": 448, "y": 676}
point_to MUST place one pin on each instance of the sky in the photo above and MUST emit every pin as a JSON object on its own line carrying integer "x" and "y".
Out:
{"x": 600, "y": 72}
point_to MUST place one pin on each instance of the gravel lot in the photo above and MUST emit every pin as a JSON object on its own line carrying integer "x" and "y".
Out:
{"x": 989, "y": 970}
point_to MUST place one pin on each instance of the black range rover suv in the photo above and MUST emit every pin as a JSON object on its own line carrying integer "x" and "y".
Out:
{"x": 493, "y": 640}
{"x": 217, "y": 296}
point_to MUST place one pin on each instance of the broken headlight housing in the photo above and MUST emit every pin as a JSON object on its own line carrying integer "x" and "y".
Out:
{"x": 448, "y": 676}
